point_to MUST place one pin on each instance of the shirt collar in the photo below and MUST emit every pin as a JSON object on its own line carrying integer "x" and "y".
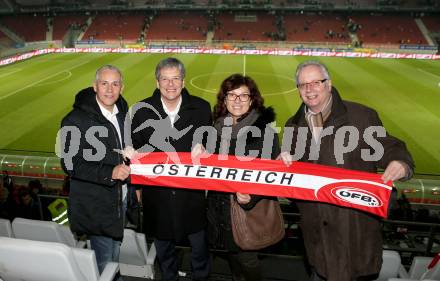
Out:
{"x": 107, "y": 114}
{"x": 171, "y": 112}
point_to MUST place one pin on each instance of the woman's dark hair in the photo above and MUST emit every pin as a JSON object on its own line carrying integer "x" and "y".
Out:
{"x": 233, "y": 82}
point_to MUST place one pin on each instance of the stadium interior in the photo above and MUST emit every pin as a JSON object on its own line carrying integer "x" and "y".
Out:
{"x": 368, "y": 24}
{"x": 33, "y": 185}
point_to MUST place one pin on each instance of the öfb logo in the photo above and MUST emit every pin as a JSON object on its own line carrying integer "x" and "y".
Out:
{"x": 356, "y": 196}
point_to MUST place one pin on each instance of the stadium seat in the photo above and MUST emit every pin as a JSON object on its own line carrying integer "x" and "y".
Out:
{"x": 406, "y": 279}
{"x": 391, "y": 266}
{"x": 419, "y": 270}
{"x": 44, "y": 231}
{"x": 418, "y": 267}
{"x": 134, "y": 258}
{"x": 49, "y": 261}
{"x": 5, "y": 228}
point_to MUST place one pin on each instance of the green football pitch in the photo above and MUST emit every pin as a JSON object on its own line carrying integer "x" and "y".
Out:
{"x": 35, "y": 94}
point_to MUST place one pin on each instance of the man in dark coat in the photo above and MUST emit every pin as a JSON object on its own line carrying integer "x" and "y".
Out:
{"x": 166, "y": 122}
{"x": 342, "y": 244}
{"x": 90, "y": 134}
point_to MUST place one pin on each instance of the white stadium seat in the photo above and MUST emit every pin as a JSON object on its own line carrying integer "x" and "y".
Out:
{"x": 5, "y": 228}
{"x": 419, "y": 270}
{"x": 44, "y": 231}
{"x": 30, "y": 260}
{"x": 391, "y": 266}
{"x": 135, "y": 259}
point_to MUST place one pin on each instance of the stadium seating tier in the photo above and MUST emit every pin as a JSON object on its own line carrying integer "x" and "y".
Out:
{"x": 178, "y": 26}
{"x": 230, "y": 27}
{"x": 432, "y": 23}
{"x": 115, "y": 27}
{"x": 20, "y": 25}
{"x": 315, "y": 28}
{"x": 62, "y": 24}
{"x": 389, "y": 29}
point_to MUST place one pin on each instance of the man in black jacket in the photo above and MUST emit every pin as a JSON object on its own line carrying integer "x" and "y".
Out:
{"x": 166, "y": 122}
{"x": 99, "y": 195}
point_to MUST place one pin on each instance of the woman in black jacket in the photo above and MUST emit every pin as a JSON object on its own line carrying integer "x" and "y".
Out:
{"x": 239, "y": 105}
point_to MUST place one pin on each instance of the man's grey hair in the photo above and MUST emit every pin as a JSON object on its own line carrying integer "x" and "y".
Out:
{"x": 107, "y": 67}
{"x": 170, "y": 63}
{"x": 306, "y": 63}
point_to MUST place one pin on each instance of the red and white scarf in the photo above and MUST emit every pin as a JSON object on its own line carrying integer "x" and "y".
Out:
{"x": 346, "y": 188}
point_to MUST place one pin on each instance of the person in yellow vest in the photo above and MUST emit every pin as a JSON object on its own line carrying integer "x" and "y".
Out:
{"x": 58, "y": 210}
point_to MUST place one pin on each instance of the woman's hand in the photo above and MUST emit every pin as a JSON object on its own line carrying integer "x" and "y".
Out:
{"x": 243, "y": 198}
{"x": 197, "y": 150}
{"x": 286, "y": 158}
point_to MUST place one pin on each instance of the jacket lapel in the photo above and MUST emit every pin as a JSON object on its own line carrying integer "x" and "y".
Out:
{"x": 183, "y": 114}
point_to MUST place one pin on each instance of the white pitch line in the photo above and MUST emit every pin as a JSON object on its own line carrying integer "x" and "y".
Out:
{"x": 427, "y": 72}
{"x": 244, "y": 65}
{"x": 214, "y": 91}
{"x": 69, "y": 74}
{"x": 39, "y": 81}
{"x": 9, "y": 73}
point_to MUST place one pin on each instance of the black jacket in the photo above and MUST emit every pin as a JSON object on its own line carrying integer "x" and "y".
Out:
{"x": 219, "y": 203}
{"x": 95, "y": 200}
{"x": 171, "y": 213}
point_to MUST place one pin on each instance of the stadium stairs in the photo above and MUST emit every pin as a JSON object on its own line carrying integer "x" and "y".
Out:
{"x": 11, "y": 34}
{"x": 49, "y": 31}
{"x": 63, "y": 28}
{"x": 209, "y": 37}
{"x": 88, "y": 24}
{"x": 424, "y": 31}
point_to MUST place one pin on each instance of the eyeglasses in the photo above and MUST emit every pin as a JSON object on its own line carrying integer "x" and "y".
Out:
{"x": 174, "y": 80}
{"x": 242, "y": 97}
{"x": 313, "y": 84}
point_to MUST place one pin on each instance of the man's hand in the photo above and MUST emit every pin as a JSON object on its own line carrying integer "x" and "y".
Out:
{"x": 121, "y": 172}
{"x": 286, "y": 158}
{"x": 395, "y": 171}
{"x": 243, "y": 198}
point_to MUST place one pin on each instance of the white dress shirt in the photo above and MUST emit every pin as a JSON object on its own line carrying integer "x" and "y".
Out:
{"x": 111, "y": 116}
{"x": 172, "y": 113}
